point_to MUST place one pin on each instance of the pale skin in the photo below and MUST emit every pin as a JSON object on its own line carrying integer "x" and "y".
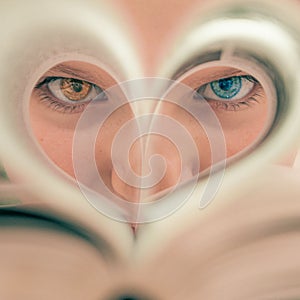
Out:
{"x": 53, "y": 127}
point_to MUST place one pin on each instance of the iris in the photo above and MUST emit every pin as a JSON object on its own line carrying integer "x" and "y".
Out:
{"x": 227, "y": 88}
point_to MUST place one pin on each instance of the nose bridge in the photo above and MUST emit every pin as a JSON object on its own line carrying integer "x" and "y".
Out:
{"x": 150, "y": 170}
{"x": 153, "y": 163}
{"x": 154, "y": 153}
{"x": 126, "y": 170}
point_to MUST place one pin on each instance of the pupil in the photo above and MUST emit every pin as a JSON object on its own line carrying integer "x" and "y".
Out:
{"x": 77, "y": 87}
{"x": 225, "y": 84}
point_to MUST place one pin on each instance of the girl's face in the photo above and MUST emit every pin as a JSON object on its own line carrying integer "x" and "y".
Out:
{"x": 241, "y": 103}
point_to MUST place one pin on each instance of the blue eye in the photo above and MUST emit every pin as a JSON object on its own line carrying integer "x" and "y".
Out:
{"x": 226, "y": 88}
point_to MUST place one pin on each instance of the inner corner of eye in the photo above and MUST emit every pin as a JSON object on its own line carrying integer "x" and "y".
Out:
{"x": 198, "y": 92}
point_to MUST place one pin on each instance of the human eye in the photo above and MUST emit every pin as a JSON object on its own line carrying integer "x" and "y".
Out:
{"x": 231, "y": 93}
{"x": 68, "y": 95}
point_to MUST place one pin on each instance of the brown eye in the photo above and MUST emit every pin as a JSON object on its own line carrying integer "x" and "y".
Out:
{"x": 71, "y": 90}
{"x": 74, "y": 89}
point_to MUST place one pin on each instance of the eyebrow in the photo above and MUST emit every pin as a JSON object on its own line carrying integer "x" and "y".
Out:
{"x": 223, "y": 74}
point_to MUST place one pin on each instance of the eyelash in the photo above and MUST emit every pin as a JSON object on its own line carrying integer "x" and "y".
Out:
{"x": 233, "y": 105}
{"x": 46, "y": 97}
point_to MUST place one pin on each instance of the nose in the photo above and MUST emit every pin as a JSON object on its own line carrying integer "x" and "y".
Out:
{"x": 162, "y": 166}
{"x": 156, "y": 165}
{"x": 123, "y": 187}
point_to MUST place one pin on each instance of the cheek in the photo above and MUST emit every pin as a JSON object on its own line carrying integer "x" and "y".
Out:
{"x": 55, "y": 132}
{"x": 196, "y": 135}
{"x": 55, "y": 140}
{"x": 241, "y": 129}
{"x": 245, "y": 128}
{"x": 105, "y": 148}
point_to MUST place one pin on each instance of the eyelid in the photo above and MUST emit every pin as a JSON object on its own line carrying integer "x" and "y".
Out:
{"x": 221, "y": 75}
{"x": 243, "y": 75}
{"x": 47, "y": 79}
{"x": 91, "y": 74}
{"x": 195, "y": 81}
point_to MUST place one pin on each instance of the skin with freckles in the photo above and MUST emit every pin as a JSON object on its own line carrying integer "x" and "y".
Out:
{"x": 61, "y": 95}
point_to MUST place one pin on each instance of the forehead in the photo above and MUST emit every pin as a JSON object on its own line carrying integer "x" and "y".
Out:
{"x": 156, "y": 13}
{"x": 155, "y": 22}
